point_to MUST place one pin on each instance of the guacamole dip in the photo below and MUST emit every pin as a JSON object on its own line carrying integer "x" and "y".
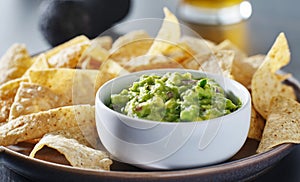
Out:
{"x": 174, "y": 97}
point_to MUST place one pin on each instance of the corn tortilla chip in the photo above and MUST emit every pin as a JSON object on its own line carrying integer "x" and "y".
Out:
{"x": 77, "y": 154}
{"x": 148, "y": 62}
{"x": 265, "y": 84}
{"x": 108, "y": 70}
{"x": 282, "y": 125}
{"x": 57, "y": 49}
{"x": 14, "y": 63}
{"x": 130, "y": 45}
{"x": 68, "y": 57}
{"x": 40, "y": 63}
{"x": 257, "y": 124}
{"x": 33, "y": 98}
{"x": 8, "y": 91}
{"x": 36, "y": 125}
{"x": 168, "y": 34}
{"x": 197, "y": 45}
{"x": 77, "y": 86}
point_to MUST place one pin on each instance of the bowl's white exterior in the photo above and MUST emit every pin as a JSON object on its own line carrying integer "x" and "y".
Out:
{"x": 165, "y": 145}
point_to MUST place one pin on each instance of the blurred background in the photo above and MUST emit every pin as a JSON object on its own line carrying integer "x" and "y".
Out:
{"x": 31, "y": 22}
{"x": 41, "y": 24}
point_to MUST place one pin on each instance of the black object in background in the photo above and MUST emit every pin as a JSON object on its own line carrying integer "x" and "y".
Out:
{"x": 61, "y": 20}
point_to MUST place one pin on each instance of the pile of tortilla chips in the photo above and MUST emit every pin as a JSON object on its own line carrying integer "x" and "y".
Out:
{"x": 49, "y": 98}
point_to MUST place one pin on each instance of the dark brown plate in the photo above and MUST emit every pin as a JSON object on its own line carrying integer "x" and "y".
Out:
{"x": 52, "y": 166}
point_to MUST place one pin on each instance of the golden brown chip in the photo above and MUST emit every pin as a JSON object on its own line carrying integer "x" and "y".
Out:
{"x": 68, "y": 57}
{"x": 168, "y": 34}
{"x": 40, "y": 63}
{"x": 36, "y": 125}
{"x": 257, "y": 125}
{"x": 282, "y": 125}
{"x": 77, "y": 86}
{"x": 14, "y": 63}
{"x": 103, "y": 41}
{"x": 244, "y": 76}
{"x": 33, "y": 98}
{"x": 148, "y": 62}
{"x": 265, "y": 83}
{"x": 108, "y": 70}
{"x": 130, "y": 45}
{"x": 197, "y": 45}
{"x": 218, "y": 63}
{"x": 57, "y": 49}
{"x": 8, "y": 91}
{"x": 76, "y": 153}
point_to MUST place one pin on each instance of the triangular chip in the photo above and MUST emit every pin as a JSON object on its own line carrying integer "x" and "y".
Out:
{"x": 33, "y": 98}
{"x": 168, "y": 34}
{"x": 265, "y": 82}
{"x": 76, "y": 153}
{"x": 14, "y": 63}
{"x": 108, "y": 70}
{"x": 257, "y": 124}
{"x": 148, "y": 62}
{"x": 36, "y": 125}
{"x": 130, "y": 45}
{"x": 68, "y": 57}
{"x": 8, "y": 91}
{"x": 282, "y": 125}
{"x": 76, "y": 85}
{"x": 40, "y": 63}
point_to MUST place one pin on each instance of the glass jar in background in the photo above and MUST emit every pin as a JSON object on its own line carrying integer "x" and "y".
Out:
{"x": 214, "y": 12}
{"x": 217, "y": 20}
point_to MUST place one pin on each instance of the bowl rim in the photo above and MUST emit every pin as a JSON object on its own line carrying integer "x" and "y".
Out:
{"x": 243, "y": 106}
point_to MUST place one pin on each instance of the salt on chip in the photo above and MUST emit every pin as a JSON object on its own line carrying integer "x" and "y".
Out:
{"x": 36, "y": 125}
{"x": 148, "y": 62}
{"x": 8, "y": 91}
{"x": 77, "y": 154}
{"x": 77, "y": 86}
{"x": 282, "y": 125}
{"x": 257, "y": 124}
{"x": 14, "y": 63}
{"x": 168, "y": 34}
{"x": 265, "y": 83}
{"x": 68, "y": 57}
{"x": 33, "y": 98}
{"x": 217, "y": 62}
{"x": 73, "y": 41}
{"x": 197, "y": 45}
{"x": 130, "y": 45}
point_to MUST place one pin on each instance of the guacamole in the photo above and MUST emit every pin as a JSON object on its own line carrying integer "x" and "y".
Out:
{"x": 174, "y": 97}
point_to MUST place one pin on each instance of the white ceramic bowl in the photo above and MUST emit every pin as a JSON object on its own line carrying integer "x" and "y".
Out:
{"x": 165, "y": 145}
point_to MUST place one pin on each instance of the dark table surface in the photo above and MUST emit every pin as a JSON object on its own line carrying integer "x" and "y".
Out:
{"x": 18, "y": 23}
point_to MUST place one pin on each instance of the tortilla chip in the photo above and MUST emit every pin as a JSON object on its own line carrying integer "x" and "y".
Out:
{"x": 244, "y": 76}
{"x": 93, "y": 57}
{"x": 68, "y": 57}
{"x": 108, "y": 70}
{"x": 33, "y": 98}
{"x": 40, "y": 63}
{"x": 103, "y": 41}
{"x": 36, "y": 125}
{"x": 217, "y": 63}
{"x": 168, "y": 34}
{"x": 76, "y": 153}
{"x": 257, "y": 125}
{"x": 148, "y": 62}
{"x": 8, "y": 91}
{"x": 130, "y": 45}
{"x": 57, "y": 49}
{"x": 282, "y": 125}
{"x": 265, "y": 83}
{"x": 14, "y": 63}
{"x": 77, "y": 86}
{"x": 198, "y": 45}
